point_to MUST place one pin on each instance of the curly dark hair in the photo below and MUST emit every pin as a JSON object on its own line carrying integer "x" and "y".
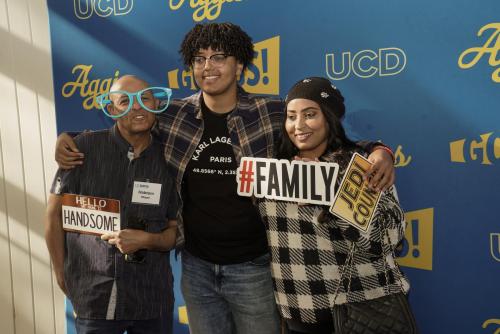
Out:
{"x": 227, "y": 37}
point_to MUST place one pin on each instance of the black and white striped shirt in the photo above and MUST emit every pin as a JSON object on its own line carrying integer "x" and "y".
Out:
{"x": 309, "y": 247}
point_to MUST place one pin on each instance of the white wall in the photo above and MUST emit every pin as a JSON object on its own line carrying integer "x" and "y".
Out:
{"x": 30, "y": 301}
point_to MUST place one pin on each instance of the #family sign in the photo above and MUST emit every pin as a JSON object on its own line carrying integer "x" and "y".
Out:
{"x": 297, "y": 181}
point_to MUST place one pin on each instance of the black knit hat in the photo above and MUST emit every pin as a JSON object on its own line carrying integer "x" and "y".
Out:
{"x": 321, "y": 91}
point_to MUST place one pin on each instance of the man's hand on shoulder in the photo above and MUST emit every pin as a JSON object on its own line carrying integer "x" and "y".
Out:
{"x": 382, "y": 173}
{"x": 67, "y": 154}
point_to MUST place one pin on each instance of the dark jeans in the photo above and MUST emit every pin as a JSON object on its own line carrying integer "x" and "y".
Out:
{"x": 98, "y": 326}
{"x": 226, "y": 299}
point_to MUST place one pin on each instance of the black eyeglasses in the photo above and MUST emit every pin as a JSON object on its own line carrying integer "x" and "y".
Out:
{"x": 217, "y": 60}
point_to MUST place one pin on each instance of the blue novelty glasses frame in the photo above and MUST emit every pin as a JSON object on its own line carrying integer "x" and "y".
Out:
{"x": 162, "y": 93}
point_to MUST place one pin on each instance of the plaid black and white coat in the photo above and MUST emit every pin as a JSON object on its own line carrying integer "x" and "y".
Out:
{"x": 307, "y": 256}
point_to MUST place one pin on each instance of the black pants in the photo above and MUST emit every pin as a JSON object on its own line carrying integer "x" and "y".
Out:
{"x": 296, "y": 327}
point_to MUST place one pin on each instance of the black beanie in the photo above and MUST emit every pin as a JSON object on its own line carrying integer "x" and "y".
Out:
{"x": 321, "y": 91}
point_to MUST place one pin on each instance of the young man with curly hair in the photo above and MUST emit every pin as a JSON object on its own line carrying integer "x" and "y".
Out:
{"x": 226, "y": 279}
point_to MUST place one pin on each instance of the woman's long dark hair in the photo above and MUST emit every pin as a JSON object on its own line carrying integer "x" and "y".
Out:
{"x": 337, "y": 139}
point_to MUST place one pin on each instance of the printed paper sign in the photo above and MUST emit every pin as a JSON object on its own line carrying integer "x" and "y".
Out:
{"x": 87, "y": 214}
{"x": 354, "y": 202}
{"x": 146, "y": 193}
{"x": 297, "y": 181}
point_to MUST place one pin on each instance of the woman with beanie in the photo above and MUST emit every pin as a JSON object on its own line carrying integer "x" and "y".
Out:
{"x": 309, "y": 246}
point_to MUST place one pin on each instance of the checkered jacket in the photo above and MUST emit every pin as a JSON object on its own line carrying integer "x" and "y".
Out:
{"x": 253, "y": 127}
{"x": 308, "y": 256}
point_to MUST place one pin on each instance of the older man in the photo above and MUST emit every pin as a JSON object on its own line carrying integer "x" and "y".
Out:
{"x": 120, "y": 281}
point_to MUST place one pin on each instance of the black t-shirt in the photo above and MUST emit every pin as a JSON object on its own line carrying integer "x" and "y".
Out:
{"x": 220, "y": 226}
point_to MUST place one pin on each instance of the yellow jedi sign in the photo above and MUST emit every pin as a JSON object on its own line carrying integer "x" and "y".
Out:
{"x": 354, "y": 202}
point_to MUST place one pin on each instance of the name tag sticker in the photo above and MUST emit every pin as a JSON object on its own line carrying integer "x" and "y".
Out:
{"x": 146, "y": 193}
{"x": 354, "y": 202}
{"x": 91, "y": 215}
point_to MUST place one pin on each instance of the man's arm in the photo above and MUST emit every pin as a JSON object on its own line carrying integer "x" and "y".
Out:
{"x": 67, "y": 154}
{"x": 129, "y": 240}
{"x": 54, "y": 237}
{"x": 382, "y": 173}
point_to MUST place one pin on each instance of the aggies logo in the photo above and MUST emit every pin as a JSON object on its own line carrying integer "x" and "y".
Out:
{"x": 470, "y": 57}
{"x": 87, "y": 88}
{"x": 203, "y": 9}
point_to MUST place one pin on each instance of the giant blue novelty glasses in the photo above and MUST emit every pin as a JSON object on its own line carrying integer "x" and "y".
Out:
{"x": 118, "y": 103}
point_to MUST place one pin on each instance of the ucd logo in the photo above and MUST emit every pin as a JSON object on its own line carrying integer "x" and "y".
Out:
{"x": 87, "y": 89}
{"x": 261, "y": 77}
{"x": 203, "y": 9}
{"x": 417, "y": 244}
{"x": 491, "y": 47}
{"x": 103, "y": 8}
{"x": 475, "y": 149}
{"x": 365, "y": 63}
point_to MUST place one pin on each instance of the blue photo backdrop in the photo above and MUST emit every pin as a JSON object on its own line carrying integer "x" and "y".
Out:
{"x": 422, "y": 76}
